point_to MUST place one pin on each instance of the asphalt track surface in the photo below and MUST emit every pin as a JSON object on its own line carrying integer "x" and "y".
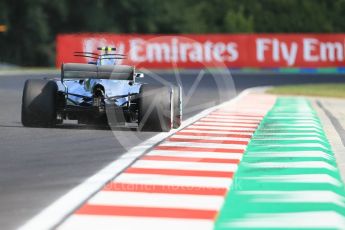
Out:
{"x": 39, "y": 165}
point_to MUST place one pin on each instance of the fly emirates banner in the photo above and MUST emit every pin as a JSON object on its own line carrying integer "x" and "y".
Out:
{"x": 210, "y": 50}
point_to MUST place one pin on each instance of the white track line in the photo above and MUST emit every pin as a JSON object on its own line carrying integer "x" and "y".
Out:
{"x": 61, "y": 208}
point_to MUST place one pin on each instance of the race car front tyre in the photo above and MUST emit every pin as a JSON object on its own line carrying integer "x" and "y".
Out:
{"x": 39, "y": 103}
{"x": 155, "y": 108}
{"x": 177, "y": 109}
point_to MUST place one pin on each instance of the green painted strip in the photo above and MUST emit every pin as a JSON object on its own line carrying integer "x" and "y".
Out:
{"x": 290, "y": 70}
{"x": 287, "y": 183}
{"x": 327, "y": 70}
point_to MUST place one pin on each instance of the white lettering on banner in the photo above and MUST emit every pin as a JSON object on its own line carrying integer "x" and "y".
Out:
{"x": 309, "y": 47}
{"x": 314, "y": 51}
{"x": 269, "y": 50}
{"x": 261, "y": 47}
{"x": 233, "y": 52}
{"x": 290, "y": 56}
{"x": 218, "y": 51}
{"x": 196, "y": 54}
{"x": 331, "y": 51}
{"x": 181, "y": 51}
{"x": 136, "y": 49}
{"x": 207, "y": 48}
{"x": 156, "y": 51}
{"x": 174, "y": 53}
{"x": 275, "y": 50}
{"x": 279, "y": 50}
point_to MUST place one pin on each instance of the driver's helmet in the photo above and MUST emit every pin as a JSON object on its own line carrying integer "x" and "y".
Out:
{"x": 104, "y": 59}
{"x": 101, "y": 61}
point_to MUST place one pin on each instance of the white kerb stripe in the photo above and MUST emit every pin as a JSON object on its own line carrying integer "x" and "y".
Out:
{"x": 257, "y": 112}
{"x": 212, "y": 119}
{"x": 180, "y": 165}
{"x": 235, "y": 116}
{"x": 226, "y": 124}
{"x": 198, "y": 181}
{"x": 86, "y": 222}
{"x": 157, "y": 200}
{"x": 203, "y": 145}
{"x": 217, "y": 132}
{"x": 195, "y": 154}
{"x": 220, "y": 128}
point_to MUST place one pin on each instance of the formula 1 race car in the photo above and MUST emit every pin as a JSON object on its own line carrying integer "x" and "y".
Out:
{"x": 101, "y": 92}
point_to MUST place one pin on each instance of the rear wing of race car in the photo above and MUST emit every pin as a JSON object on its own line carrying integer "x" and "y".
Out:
{"x": 83, "y": 71}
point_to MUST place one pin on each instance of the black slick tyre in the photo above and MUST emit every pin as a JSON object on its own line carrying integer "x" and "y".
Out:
{"x": 177, "y": 107}
{"x": 39, "y": 103}
{"x": 155, "y": 108}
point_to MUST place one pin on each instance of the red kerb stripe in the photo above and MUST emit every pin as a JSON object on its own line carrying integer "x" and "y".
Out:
{"x": 208, "y": 141}
{"x": 230, "y": 126}
{"x": 231, "y": 129}
{"x": 179, "y": 172}
{"x": 196, "y": 149}
{"x": 105, "y": 210}
{"x": 214, "y": 134}
{"x": 224, "y": 121}
{"x": 235, "y": 115}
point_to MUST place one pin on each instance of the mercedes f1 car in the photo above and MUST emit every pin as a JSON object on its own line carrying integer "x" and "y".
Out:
{"x": 101, "y": 92}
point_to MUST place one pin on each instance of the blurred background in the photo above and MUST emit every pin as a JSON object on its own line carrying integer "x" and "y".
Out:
{"x": 29, "y": 27}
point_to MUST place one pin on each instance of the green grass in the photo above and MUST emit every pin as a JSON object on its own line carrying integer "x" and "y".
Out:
{"x": 320, "y": 90}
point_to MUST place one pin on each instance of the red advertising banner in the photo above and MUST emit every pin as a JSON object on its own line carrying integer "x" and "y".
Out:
{"x": 211, "y": 50}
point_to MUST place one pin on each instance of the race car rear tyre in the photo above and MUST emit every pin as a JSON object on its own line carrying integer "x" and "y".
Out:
{"x": 155, "y": 108}
{"x": 39, "y": 103}
{"x": 177, "y": 109}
